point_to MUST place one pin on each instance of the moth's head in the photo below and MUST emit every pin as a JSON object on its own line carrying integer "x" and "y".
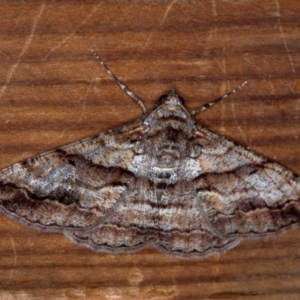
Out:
{"x": 171, "y": 99}
{"x": 170, "y": 113}
{"x": 171, "y": 105}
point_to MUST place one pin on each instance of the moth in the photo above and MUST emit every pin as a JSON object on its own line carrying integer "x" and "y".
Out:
{"x": 162, "y": 180}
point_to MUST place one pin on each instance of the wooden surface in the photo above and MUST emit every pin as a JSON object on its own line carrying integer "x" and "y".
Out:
{"x": 54, "y": 92}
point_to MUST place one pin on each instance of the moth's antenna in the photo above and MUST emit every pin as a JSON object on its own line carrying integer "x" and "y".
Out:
{"x": 212, "y": 103}
{"x": 125, "y": 89}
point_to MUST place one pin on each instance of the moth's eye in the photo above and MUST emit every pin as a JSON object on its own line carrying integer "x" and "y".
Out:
{"x": 162, "y": 99}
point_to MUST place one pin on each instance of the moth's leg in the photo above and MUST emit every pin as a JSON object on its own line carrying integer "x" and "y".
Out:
{"x": 125, "y": 89}
{"x": 212, "y": 103}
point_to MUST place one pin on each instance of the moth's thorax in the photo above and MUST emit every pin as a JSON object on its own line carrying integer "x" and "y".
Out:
{"x": 166, "y": 155}
{"x": 169, "y": 152}
{"x": 170, "y": 129}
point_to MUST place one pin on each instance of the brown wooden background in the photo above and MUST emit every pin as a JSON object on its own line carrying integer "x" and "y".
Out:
{"x": 54, "y": 92}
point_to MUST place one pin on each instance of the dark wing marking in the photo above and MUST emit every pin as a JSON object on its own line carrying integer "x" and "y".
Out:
{"x": 76, "y": 186}
{"x": 242, "y": 193}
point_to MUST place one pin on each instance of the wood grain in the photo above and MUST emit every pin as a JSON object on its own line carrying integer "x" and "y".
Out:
{"x": 54, "y": 92}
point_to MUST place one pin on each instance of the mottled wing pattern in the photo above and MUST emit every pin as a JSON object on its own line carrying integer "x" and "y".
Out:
{"x": 183, "y": 228}
{"x": 242, "y": 193}
{"x": 76, "y": 186}
{"x": 176, "y": 227}
{"x": 132, "y": 225}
